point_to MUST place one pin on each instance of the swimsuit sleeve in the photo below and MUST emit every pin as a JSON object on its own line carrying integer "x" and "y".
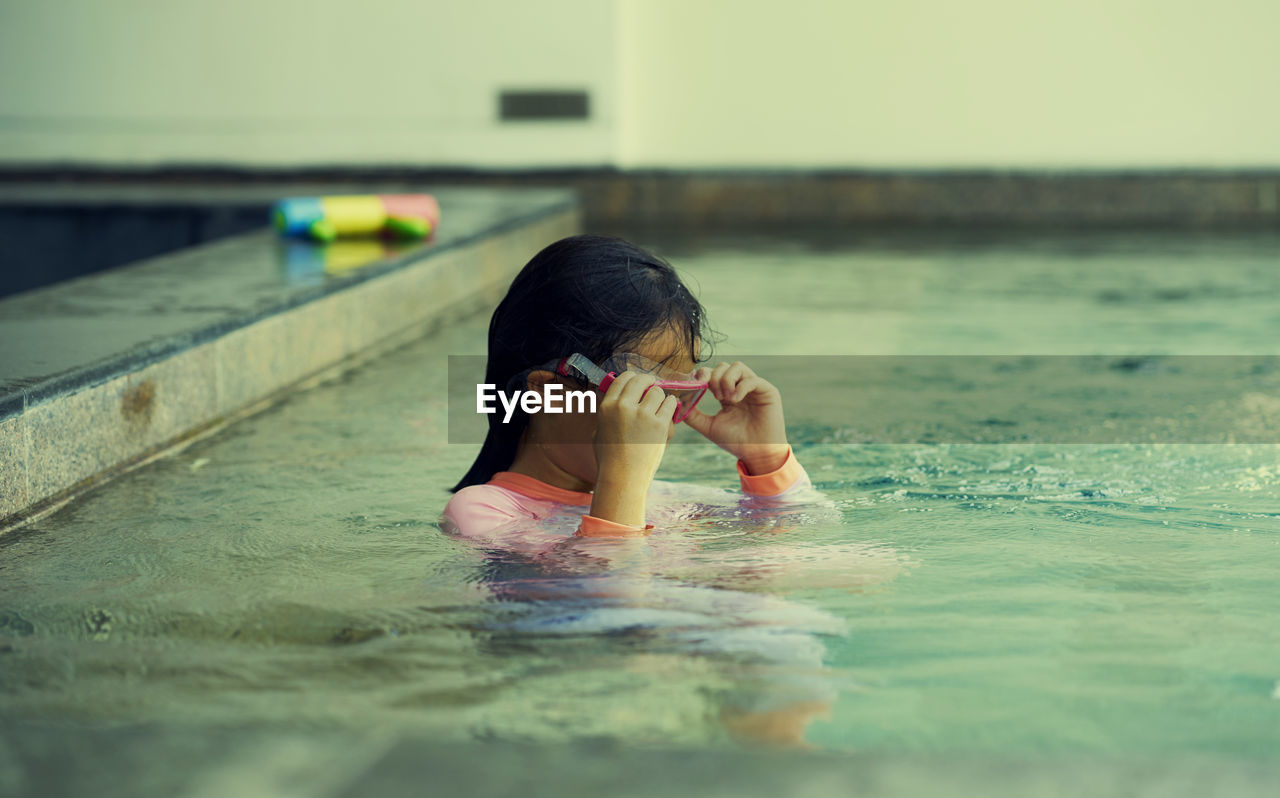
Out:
{"x": 789, "y": 477}
{"x": 477, "y": 510}
{"x": 593, "y": 527}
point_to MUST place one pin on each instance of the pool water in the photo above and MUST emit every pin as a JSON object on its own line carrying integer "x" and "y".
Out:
{"x": 953, "y": 598}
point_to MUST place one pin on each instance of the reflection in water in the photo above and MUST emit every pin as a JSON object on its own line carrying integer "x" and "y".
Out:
{"x": 308, "y": 263}
{"x": 692, "y": 597}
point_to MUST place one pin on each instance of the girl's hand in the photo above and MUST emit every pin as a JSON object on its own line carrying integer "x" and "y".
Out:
{"x": 633, "y": 426}
{"x": 750, "y": 424}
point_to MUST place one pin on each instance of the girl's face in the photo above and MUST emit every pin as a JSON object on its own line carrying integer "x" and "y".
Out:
{"x": 567, "y": 439}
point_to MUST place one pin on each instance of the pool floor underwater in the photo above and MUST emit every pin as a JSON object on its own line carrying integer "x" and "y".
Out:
{"x": 959, "y": 606}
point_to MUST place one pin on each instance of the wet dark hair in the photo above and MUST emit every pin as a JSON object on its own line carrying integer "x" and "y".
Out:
{"x": 589, "y": 294}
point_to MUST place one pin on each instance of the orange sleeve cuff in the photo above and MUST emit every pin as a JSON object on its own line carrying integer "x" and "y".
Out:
{"x": 592, "y": 527}
{"x": 774, "y": 482}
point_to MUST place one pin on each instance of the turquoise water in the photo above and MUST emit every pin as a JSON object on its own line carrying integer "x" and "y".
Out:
{"x": 953, "y": 598}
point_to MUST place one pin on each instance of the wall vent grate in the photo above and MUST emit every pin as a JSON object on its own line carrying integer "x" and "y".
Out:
{"x": 519, "y": 106}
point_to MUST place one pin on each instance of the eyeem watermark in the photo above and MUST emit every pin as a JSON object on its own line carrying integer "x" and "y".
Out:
{"x": 553, "y": 399}
{"x": 936, "y": 399}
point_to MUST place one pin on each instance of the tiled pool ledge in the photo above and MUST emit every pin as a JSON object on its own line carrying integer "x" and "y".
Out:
{"x": 99, "y": 373}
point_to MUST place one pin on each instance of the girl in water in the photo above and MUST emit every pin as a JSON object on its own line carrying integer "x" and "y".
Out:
{"x": 597, "y": 313}
{"x": 562, "y": 504}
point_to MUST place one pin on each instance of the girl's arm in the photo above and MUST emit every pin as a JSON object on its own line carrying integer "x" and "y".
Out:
{"x": 631, "y": 436}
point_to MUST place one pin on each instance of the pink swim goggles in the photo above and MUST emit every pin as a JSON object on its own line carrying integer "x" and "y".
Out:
{"x": 683, "y": 387}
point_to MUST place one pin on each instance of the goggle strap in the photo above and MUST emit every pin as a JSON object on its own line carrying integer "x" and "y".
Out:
{"x": 579, "y": 367}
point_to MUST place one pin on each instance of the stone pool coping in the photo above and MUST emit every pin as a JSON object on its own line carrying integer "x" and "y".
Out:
{"x": 102, "y": 372}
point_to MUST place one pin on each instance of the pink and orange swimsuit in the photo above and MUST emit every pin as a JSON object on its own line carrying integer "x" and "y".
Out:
{"x": 485, "y": 511}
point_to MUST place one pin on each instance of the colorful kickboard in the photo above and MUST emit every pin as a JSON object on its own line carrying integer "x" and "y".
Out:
{"x": 328, "y": 218}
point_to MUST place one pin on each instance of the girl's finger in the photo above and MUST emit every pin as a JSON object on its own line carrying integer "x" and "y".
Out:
{"x": 636, "y": 386}
{"x": 653, "y": 398}
{"x": 715, "y": 383}
{"x": 700, "y": 421}
{"x": 746, "y": 387}
{"x": 667, "y": 410}
{"x": 619, "y": 384}
{"x": 732, "y": 376}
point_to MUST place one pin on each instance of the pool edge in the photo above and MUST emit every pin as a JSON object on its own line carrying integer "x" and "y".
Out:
{"x": 55, "y": 450}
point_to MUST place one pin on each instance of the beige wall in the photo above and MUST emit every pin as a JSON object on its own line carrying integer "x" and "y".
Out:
{"x": 950, "y": 83}
{"x": 674, "y": 83}
{"x": 290, "y": 82}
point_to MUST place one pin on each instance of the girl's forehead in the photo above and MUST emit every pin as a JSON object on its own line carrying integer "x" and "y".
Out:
{"x": 670, "y": 347}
